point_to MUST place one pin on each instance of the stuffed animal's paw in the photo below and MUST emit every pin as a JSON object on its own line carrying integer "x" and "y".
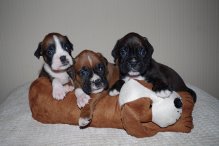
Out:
{"x": 82, "y": 98}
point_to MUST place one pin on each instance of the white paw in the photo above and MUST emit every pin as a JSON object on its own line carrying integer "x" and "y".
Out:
{"x": 58, "y": 92}
{"x": 83, "y": 122}
{"x": 68, "y": 88}
{"x": 114, "y": 92}
{"x": 82, "y": 98}
{"x": 164, "y": 93}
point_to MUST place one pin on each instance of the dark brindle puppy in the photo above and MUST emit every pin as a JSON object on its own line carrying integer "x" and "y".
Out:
{"x": 133, "y": 55}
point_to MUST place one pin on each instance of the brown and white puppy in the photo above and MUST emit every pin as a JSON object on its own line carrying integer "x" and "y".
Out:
{"x": 91, "y": 78}
{"x": 56, "y": 51}
{"x": 133, "y": 55}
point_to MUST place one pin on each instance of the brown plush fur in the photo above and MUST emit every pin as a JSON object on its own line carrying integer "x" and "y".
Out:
{"x": 135, "y": 117}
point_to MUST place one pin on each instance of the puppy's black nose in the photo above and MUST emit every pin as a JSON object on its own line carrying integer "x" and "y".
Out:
{"x": 132, "y": 61}
{"x": 98, "y": 82}
{"x": 63, "y": 59}
{"x": 178, "y": 103}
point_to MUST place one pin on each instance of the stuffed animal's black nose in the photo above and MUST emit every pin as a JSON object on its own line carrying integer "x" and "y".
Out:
{"x": 178, "y": 103}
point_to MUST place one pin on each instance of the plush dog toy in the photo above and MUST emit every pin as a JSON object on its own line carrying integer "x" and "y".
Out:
{"x": 135, "y": 116}
{"x": 165, "y": 111}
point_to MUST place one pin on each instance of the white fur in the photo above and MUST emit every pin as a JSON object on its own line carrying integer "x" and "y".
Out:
{"x": 62, "y": 77}
{"x": 90, "y": 60}
{"x": 83, "y": 122}
{"x": 127, "y": 78}
{"x": 95, "y": 89}
{"x": 56, "y": 62}
{"x": 114, "y": 92}
{"x": 82, "y": 98}
{"x": 58, "y": 90}
{"x": 132, "y": 73}
{"x": 164, "y": 112}
{"x": 164, "y": 93}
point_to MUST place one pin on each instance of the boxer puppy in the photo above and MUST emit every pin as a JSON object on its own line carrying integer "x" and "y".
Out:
{"x": 56, "y": 51}
{"x": 133, "y": 54}
{"x": 91, "y": 78}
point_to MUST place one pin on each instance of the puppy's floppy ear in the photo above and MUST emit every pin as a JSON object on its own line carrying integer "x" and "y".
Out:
{"x": 103, "y": 59}
{"x": 38, "y": 51}
{"x": 149, "y": 46}
{"x": 70, "y": 45}
{"x": 115, "y": 51}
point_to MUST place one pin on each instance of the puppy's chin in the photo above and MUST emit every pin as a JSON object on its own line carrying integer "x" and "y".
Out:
{"x": 60, "y": 67}
{"x": 97, "y": 90}
{"x": 133, "y": 73}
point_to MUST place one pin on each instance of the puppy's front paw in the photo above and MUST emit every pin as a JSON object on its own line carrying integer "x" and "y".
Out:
{"x": 84, "y": 121}
{"x": 68, "y": 88}
{"x": 113, "y": 92}
{"x": 58, "y": 92}
{"x": 82, "y": 98}
{"x": 163, "y": 93}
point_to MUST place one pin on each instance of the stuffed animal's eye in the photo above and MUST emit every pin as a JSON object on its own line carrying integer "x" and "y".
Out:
{"x": 123, "y": 52}
{"x": 142, "y": 52}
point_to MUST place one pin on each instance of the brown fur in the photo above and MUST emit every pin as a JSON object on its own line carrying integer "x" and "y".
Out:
{"x": 82, "y": 61}
{"x": 134, "y": 117}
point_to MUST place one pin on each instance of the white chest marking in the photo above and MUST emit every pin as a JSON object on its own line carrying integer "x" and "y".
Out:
{"x": 127, "y": 78}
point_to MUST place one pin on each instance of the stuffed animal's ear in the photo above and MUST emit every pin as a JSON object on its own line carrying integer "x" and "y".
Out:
{"x": 38, "y": 51}
{"x": 115, "y": 51}
{"x": 70, "y": 45}
{"x": 148, "y": 46}
{"x": 134, "y": 114}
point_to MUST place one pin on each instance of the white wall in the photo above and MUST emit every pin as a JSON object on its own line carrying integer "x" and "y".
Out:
{"x": 184, "y": 34}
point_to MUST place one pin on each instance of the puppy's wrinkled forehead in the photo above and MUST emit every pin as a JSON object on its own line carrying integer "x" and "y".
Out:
{"x": 87, "y": 59}
{"x": 133, "y": 41}
{"x": 51, "y": 39}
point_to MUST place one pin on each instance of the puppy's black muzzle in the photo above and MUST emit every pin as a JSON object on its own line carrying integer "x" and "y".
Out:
{"x": 97, "y": 83}
{"x": 133, "y": 64}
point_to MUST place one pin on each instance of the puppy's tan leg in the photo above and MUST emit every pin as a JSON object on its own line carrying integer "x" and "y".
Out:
{"x": 87, "y": 112}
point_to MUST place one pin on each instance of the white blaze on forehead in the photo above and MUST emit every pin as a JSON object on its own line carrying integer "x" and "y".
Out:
{"x": 56, "y": 62}
{"x": 90, "y": 60}
{"x": 58, "y": 44}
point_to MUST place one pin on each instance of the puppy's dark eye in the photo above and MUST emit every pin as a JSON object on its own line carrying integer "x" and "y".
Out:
{"x": 142, "y": 52}
{"x": 84, "y": 72}
{"x": 50, "y": 51}
{"x": 100, "y": 68}
{"x": 123, "y": 52}
{"x": 66, "y": 47}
